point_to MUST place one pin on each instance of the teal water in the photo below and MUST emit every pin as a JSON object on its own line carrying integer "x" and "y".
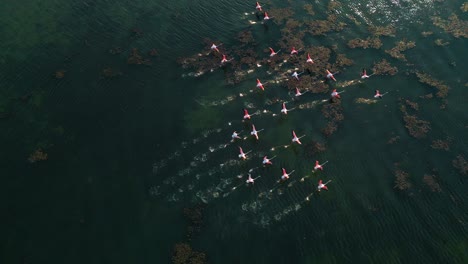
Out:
{"x": 127, "y": 153}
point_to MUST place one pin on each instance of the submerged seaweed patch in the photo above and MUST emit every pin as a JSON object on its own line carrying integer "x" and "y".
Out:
{"x": 374, "y": 43}
{"x": 400, "y": 47}
{"x": 183, "y": 254}
{"x": 442, "y": 144}
{"x": 431, "y": 182}
{"x": 461, "y": 164}
{"x": 439, "y": 85}
{"x": 384, "y": 68}
{"x": 333, "y": 5}
{"x": 320, "y": 27}
{"x": 427, "y": 33}
{"x": 402, "y": 180}
{"x": 377, "y": 31}
{"x": 334, "y": 113}
{"x": 441, "y": 42}
{"x": 455, "y": 26}
{"x": 309, "y": 9}
{"x": 136, "y": 58}
{"x": 413, "y": 105}
{"x": 464, "y": 7}
{"x": 38, "y": 155}
{"x": 279, "y": 15}
{"x": 393, "y": 140}
{"x": 312, "y": 148}
{"x": 342, "y": 60}
{"x": 416, "y": 127}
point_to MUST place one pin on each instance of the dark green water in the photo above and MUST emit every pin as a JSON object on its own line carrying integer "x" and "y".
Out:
{"x": 127, "y": 154}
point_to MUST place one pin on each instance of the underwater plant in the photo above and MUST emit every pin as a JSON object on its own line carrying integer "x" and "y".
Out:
{"x": 183, "y": 254}
{"x": 442, "y": 144}
{"x": 402, "y": 180}
{"x": 384, "y": 68}
{"x": 456, "y": 27}
{"x": 38, "y": 155}
{"x": 393, "y": 140}
{"x": 442, "y": 89}
{"x": 59, "y": 74}
{"x": 374, "y": 43}
{"x": 431, "y": 182}
{"x": 401, "y": 46}
{"x": 377, "y": 31}
{"x": 461, "y": 164}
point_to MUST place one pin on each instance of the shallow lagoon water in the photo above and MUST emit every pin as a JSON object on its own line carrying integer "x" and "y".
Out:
{"x": 126, "y": 154}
